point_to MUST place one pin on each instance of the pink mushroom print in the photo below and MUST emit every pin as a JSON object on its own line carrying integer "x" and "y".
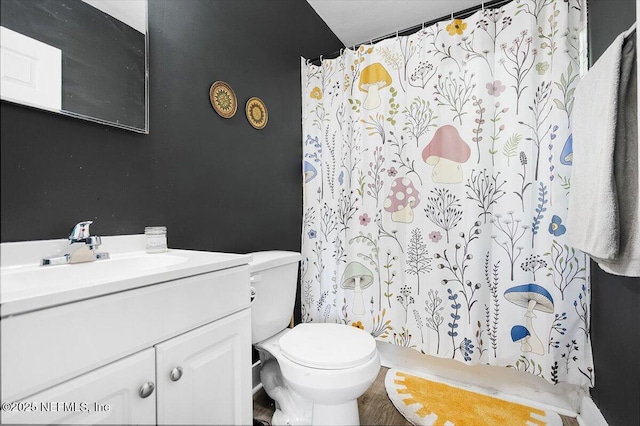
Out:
{"x": 446, "y": 152}
{"x": 402, "y": 199}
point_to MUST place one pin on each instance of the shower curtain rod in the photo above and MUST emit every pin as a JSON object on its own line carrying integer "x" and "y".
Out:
{"x": 408, "y": 31}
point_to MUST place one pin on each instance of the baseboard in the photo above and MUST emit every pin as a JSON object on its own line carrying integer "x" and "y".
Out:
{"x": 589, "y": 414}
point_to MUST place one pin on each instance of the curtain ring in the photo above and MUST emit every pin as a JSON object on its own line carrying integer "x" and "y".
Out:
{"x": 452, "y": 16}
{"x": 483, "y": 6}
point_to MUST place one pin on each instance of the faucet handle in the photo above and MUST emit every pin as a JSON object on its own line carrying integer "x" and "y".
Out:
{"x": 93, "y": 242}
{"x": 80, "y": 232}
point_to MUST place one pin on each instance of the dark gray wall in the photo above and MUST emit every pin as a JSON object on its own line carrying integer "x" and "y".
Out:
{"x": 217, "y": 184}
{"x": 102, "y": 58}
{"x": 615, "y": 301}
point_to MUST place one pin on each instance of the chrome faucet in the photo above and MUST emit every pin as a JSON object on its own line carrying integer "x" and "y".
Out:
{"x": 84, "y": 253}
{"x": 80, "y": 232}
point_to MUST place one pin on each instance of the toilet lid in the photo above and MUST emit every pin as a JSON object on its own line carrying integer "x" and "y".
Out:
{"x": 327, "y": 346}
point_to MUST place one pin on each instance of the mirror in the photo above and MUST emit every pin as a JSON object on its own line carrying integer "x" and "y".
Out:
{"x": 82, "y": 58}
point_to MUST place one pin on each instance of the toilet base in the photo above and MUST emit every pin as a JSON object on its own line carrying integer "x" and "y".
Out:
{"x": 308, "y": 396}
{"x": 291, "y": 409}
{"x": 345, "y": 414}
{"x": 281, "y": 419}
{"x": 339, "y": 414}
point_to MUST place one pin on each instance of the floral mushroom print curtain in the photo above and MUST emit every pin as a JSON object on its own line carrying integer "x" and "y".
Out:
{"x": 436, "y": 180}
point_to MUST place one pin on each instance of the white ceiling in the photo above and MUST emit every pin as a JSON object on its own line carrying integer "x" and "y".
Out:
{"x": 358, "y": 21}
{"x": 131, "y": 12}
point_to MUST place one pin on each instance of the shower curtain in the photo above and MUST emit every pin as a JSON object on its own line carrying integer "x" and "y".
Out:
{"x": 436, "y": 173}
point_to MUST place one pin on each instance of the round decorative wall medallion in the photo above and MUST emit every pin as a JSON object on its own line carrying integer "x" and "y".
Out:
{"x": 223, "y": 99}
{"x": 257, "y": 113}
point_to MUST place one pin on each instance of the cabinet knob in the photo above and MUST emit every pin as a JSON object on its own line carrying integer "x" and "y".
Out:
{"x": 176, "y": 374}
{"x": 146, "y": 389}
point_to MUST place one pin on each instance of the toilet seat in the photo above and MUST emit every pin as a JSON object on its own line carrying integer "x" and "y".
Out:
{"x": 327, "y": 346}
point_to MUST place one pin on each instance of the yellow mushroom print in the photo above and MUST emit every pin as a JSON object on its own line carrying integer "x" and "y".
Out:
{"x": 373, "y": 78}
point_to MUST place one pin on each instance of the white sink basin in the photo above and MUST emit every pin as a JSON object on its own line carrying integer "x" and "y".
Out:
{"x": 29, "y": 287}
{"x": 28, "y": 277}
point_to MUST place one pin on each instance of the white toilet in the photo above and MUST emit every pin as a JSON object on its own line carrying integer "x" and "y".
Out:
{"x": 315, "y": 371}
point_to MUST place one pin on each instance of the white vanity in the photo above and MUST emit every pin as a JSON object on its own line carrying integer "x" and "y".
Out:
{"x": 135, "y": 339}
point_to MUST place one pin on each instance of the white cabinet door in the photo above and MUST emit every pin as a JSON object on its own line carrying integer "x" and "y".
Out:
{"x": 107, "y": 395}
{"x": 211, "y": 368}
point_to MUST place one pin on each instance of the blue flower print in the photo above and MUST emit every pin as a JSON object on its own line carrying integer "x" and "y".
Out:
{"x": 467, "y": 348}
{"x": 312, "y": 234}
{"x": 556, "y": 227}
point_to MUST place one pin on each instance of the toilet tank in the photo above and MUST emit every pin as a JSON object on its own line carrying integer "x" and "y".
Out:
{"x": 274, "y": 277}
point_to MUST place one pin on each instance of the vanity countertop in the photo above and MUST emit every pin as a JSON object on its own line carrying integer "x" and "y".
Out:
{"x": 27, "y": 286}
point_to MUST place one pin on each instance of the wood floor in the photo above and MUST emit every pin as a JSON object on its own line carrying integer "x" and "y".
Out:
{"x": 374, "y": 407}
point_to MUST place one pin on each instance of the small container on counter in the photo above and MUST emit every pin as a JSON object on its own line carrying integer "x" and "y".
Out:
{"x": 156, "y": 239}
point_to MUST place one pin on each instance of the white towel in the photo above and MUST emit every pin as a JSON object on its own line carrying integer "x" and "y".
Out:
{"x": 603, "y": 219}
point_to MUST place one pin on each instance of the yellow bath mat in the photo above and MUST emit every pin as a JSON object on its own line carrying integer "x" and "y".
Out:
{"x": 425, "y": 401}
